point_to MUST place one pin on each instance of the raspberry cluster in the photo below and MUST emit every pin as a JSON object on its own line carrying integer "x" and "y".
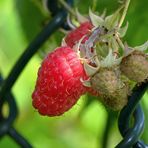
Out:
{"x": 92, "y": 59}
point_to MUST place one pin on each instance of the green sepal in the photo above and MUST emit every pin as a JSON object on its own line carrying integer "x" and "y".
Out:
{"x": 110, "y": 60}
{"x": 102, "y": 50}
{"x": 90, "y": 70}
{"x": 111, "y": 21}
{"x": 142, "y": 47}
{"x": 85, "y": 82}
{"x": 95, "y": 19}
{"x": 63, "y": 43}
{"x": 80, "y": 17}
{"x": 114, "y": 44}
{"x": 122, "y": 31}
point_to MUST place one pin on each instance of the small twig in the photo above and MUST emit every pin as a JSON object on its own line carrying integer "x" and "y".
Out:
{"x": 67, "y": 7}
{"x": 94, "y": 5}
{"x": 124, "y": 13}
{"x": 119, "y": 42}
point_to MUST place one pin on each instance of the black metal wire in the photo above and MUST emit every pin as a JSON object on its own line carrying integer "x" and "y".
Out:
{"x": 18, "y": 138}
{"x": 55, "y": 8}
{"x": 131, "y": 135}
{"x": 6, "y": 123}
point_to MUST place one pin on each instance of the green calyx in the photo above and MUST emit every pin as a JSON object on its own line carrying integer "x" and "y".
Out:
{"x": 110, "y": 60}
{"x": 142, "y": 48}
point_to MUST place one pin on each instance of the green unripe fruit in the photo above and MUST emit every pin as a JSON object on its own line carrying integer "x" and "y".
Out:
{"x": 114, "y": 92}
{"x": 135, "y": 66}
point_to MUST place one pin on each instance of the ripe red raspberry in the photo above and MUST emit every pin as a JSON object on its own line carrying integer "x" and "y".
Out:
{"x": 58, "y": 86}
{"x": 74, "y": 36}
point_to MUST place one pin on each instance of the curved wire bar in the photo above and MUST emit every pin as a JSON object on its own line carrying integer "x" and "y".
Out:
{"x": 18, "y": 138}
{"x": 131, "y": 135}
{"x": 13, "y": 111}
{"x": 6, "y": 123}
{"x": 54, "y": 8}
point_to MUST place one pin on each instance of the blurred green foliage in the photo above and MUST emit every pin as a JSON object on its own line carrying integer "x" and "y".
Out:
{"x": 20, "y": 21}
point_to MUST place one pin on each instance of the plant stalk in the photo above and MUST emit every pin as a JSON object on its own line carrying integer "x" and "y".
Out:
{"x": 67, "y": 7}
{"x": 127, "y": 2}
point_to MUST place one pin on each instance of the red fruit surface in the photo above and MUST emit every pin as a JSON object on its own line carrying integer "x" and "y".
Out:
{"x": 74, "y": 36}
{"x": 58, "y": 85}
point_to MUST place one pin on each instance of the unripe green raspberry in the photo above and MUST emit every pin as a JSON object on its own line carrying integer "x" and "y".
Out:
{"x": 135, "y": 66}
{"x": 113, "y": 91}
{"x": 106, "y": 81}
{"x": 117, "y": 100}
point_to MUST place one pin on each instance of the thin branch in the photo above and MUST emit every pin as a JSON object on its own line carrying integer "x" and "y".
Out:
{"x": 119, "y": 42}
{"x": 67, "y": 7}
{"x": 124, "y": 13}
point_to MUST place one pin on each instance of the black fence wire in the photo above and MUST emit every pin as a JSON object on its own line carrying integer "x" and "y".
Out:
{"x": 130, "y": 133}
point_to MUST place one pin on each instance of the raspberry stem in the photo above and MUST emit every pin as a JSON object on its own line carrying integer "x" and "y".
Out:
{"x": 67, "y": 7}
{"x": 127, "y": 2}
{"x": 94, "y": 5}
{"x": 119, "y": 42}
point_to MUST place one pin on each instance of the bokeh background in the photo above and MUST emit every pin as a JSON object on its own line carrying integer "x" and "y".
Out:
{"x": 84, "y": 125}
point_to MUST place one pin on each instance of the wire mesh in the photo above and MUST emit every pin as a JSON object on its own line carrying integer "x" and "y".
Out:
{"x": 131, "y": 134}
{"x": 133, "y": 109}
